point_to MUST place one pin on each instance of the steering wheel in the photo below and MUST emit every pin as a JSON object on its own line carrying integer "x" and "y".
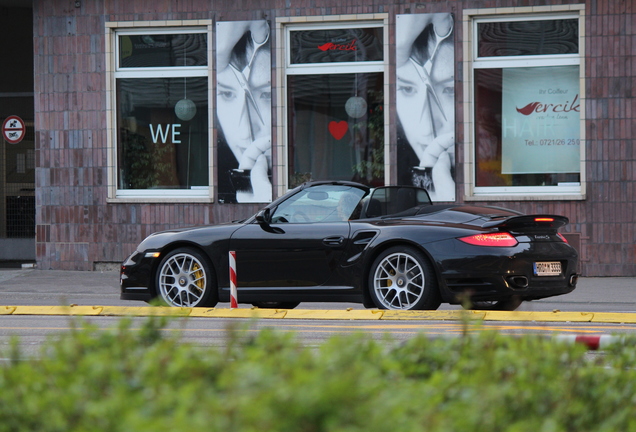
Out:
{"x": 296, "y": 217}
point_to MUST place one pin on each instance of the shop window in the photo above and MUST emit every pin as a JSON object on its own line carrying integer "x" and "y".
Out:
{"x": 527, "y": 107}
{"x": 161, "y": 105}
{"x": 335, "y": 84}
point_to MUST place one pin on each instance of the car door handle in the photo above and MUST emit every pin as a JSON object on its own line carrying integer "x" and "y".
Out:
{"x": 333, "y": 241}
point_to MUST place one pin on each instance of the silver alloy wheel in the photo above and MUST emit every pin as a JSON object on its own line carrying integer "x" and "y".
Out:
{"x": 399, "y": 281}
{"x": 182, "y": 280}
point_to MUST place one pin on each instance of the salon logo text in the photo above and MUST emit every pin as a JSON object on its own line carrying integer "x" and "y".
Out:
{"x": 330, "y": 46}
{"x": 538, "y": 107}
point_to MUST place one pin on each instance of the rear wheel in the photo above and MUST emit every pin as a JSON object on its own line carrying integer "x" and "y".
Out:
{"x": 276, "y": 305}
{"x": 402, "y": 278}
{"x": 509, "y": 304}
{"x": 185, "y": 278}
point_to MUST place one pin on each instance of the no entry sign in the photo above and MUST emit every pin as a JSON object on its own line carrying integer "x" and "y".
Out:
{"x": 13, "y": 129}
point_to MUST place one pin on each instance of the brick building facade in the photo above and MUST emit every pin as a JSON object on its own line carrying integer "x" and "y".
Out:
{"x": 86, "y": 216}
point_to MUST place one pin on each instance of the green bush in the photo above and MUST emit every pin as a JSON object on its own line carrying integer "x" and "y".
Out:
{"x": 142, "y": 380}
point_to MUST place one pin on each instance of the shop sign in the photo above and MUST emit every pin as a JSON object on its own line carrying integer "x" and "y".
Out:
{"x": 541, "y": 120}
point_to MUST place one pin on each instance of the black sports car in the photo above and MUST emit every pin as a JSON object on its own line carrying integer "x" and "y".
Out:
{"x": 387, "y": 247}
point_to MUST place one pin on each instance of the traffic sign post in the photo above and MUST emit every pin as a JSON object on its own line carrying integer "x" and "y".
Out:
{"x": 13, "y": 129}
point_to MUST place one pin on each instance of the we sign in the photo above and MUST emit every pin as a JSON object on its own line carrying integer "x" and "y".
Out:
{"x": 158, "y": 132}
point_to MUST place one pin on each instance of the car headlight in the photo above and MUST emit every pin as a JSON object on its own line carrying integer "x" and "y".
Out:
{"x": 137, "y": 256}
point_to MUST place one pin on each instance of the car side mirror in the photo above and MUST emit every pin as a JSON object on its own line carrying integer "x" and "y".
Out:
{"x": 263, "y": 217}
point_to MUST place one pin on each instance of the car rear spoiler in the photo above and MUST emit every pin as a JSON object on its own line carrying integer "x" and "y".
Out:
{"x": 529, "y": 221}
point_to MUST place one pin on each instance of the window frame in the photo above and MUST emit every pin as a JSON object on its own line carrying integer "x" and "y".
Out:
{"x": 284, "y": 27}
{"x": 471, "y": 21}
{"x": 114, "y": 71}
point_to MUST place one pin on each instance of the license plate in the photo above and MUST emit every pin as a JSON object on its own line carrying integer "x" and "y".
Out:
{"x": 547, "y": 268}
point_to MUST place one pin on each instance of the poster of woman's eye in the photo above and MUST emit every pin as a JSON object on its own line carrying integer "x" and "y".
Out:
{"x": 425, "y": 100}
{"x": 243, "y": 111}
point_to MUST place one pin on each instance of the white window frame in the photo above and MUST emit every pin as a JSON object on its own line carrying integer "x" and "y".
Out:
{"x": 114, "y": 71}
{"x": 284, "y": 26}
{"x": 471, "y": 19}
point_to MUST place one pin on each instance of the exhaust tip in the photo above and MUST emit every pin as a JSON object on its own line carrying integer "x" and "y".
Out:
{"x": 518, "y": 281}
{"x": 573, "y": 280}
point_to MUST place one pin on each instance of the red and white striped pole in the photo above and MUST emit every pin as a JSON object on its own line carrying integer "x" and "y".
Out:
{"x": 592, "y": 342}
{"x": 233, "y": 296}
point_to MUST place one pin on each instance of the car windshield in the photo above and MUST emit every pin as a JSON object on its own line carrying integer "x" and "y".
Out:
{"x": 320, "y": 203}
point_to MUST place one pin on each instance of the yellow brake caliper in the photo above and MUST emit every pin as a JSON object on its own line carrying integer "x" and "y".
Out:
{"x": 198, "y": 274}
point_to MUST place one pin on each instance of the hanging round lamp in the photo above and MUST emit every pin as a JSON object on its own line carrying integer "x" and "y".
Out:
{"x": 356, "y": 106}
{"x": 185, "y": 109}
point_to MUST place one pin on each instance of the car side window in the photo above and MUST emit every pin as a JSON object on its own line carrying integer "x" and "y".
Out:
{"x": 323, "y": 203}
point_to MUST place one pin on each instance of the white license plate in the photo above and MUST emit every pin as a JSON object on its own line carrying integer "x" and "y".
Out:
{"x": 547, "y": 268}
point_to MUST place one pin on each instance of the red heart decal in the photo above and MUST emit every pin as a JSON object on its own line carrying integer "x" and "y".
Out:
{"x": 338, "y": 129}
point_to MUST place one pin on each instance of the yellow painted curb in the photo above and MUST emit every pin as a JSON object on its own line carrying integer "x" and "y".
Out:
{"x": 318, "y": 314}
{"x": 539, "y": 316}
{"x": 6, "y": 310}
{"x": 144, "y": 311}
{"x": 321, "y": 314}
{"x": 57, "y": 310}
{"x": 348, "y": 314}
{"x": 608, "y": 317}
{"x": 432, "y": 315}
{"x": 238, "y": 313}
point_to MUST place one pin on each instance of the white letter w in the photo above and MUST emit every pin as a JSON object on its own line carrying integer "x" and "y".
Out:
{"x": 160, "y": 131}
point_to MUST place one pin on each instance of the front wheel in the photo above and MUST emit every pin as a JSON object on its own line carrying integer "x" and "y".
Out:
{"x": 185, "y": 278}
{"x": 402, "y": 278}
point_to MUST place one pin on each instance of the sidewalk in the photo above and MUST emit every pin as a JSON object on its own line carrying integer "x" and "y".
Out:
{"x": 80, "y": 287}
{"x": 35, "y": 280}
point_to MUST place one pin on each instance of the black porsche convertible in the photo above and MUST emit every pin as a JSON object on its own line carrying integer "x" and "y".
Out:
{"x": 335, "y": 241}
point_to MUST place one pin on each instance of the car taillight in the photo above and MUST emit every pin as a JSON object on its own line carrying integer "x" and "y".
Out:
{"x": 562, "y": 237}
{"x": 491, "y": 239}
{"x": 544, "y": 219}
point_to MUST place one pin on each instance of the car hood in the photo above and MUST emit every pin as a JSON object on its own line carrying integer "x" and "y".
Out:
{"x": 203, "y": 234}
